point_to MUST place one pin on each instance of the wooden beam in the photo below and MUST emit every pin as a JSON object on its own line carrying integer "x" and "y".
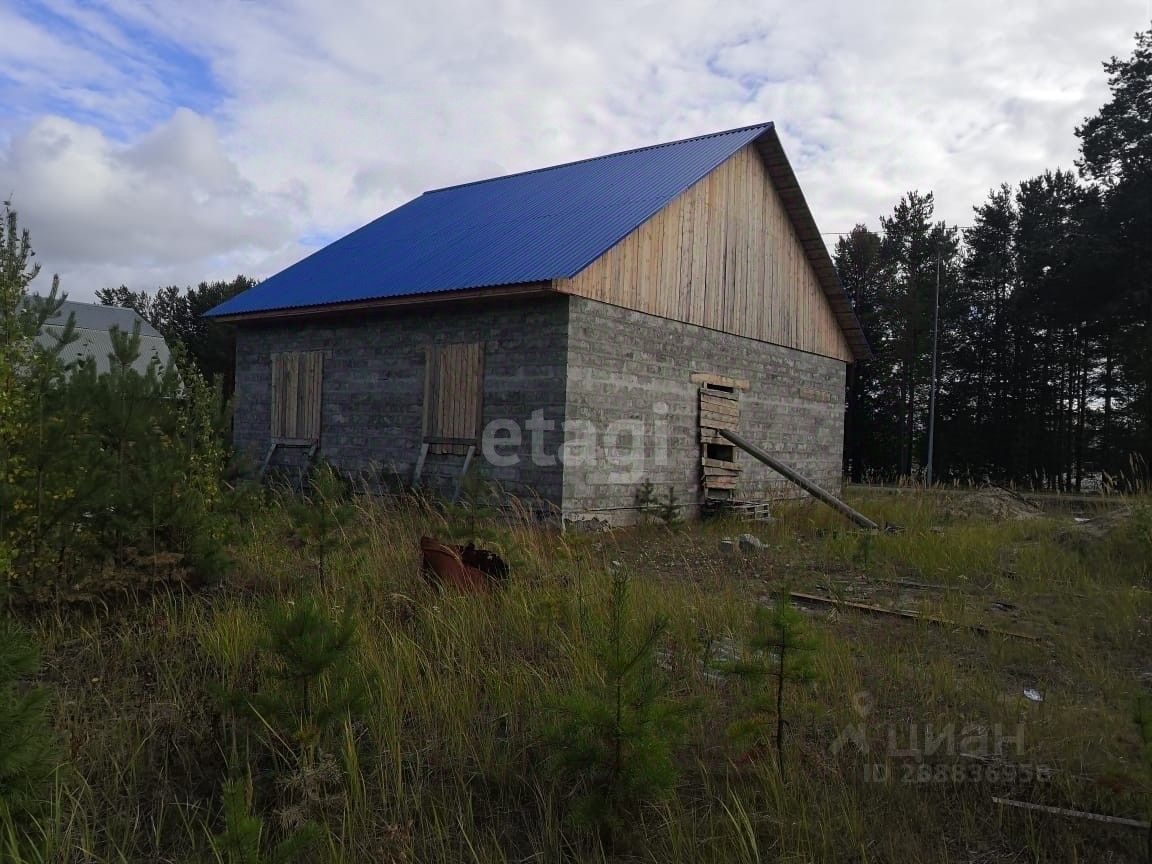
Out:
{"x": 909, "y": 616}
{"x": 800, "y": 480}
{"x": 464, "y": 471}
{"x": 1074, "y": 814}
{"x": 419, "y": 465}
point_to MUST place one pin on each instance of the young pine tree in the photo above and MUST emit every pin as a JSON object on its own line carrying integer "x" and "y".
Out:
{"x": 667, "y": 511}
{"x": 615, "y": 737}
{"x": 27, "y": 752}
{"x": 781, "y": 651}
{"x": 320, "y": 517}
{"x": 312, "y": 686}
{"x": 244, "y": 839}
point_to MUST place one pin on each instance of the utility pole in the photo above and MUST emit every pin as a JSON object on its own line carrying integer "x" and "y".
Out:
{"x": 932, "y": 391}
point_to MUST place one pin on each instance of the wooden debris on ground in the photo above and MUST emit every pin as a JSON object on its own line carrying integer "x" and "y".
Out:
{"x": 800, "y": 597}
{"x": 1073, "y": 814}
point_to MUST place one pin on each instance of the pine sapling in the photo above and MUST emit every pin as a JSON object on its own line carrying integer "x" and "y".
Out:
{"x": 667, "y": 511}
{"x": 244, "y": 837}
{"x": 615, "y": 737}
{"x": 781, "y": 651}
{"x": 312, "y": 683}
{"x": 320, "y": 517}
{"x": 27, "y": 752}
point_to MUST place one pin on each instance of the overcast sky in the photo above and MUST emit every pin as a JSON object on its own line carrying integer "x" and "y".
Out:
{"x": 151, "y": 142}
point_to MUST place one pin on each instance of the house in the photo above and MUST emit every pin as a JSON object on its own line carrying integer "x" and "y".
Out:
{"x": 580, "y": 330}
{"x": 93, "y": 343}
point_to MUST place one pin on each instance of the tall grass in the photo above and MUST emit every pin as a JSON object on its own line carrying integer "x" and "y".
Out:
{"x": 447, "y": 762}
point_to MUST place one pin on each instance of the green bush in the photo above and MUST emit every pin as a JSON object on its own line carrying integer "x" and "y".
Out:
{"x": 108, "y": 481}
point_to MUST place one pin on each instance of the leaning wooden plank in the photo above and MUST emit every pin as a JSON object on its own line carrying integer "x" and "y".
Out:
{"x": 799, "y": 479}
{"x": 267, "y": 460}
{"x": 1075, "y": 814}
{"x": 909, "y": 616}
{"x": 420, "y": 465}
{"x": 464, "y": 472}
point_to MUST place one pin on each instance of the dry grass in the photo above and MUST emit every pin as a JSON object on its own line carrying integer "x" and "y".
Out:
{"x": 447, "y": 764}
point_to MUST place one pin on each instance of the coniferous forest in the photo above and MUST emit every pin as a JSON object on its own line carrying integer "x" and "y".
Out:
{"x": 1045, "y": 318}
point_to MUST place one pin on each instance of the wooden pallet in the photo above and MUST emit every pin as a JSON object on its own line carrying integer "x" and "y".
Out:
{"x": 753, "y": 511}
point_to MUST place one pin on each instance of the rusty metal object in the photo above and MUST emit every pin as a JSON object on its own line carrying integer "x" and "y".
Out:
{"x": 465, "y": 568}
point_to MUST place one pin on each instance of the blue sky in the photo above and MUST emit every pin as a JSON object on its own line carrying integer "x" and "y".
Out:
{"x": 152, "y": 142}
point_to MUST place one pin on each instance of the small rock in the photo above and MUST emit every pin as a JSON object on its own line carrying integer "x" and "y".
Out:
{"x": 1033, "y": 694}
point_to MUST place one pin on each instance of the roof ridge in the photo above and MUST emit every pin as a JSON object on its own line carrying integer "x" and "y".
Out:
{"x": 766, "y": 125}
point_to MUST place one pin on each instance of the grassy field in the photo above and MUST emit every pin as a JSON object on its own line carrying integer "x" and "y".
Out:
{"x": 451, "y": 759}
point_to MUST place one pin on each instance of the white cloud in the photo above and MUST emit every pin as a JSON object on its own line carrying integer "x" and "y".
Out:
{"x": 166, "y": 207}
{"x": 327, "y": 116}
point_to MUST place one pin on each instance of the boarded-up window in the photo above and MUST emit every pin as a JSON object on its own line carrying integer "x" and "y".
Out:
{"x": 296, "y": 386}
{"x": 453, "y": 396}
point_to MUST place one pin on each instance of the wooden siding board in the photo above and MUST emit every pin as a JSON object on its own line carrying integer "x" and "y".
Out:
{"x": 724, "y": 255}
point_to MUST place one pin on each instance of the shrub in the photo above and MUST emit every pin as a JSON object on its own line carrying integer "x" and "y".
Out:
{"x": 108, "y": 480}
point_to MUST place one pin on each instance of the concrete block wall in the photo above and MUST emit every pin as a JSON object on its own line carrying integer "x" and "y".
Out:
{"x": 625, "y": 364}
{"x": 373, "y": 386}
{"x": 612, "y": 385}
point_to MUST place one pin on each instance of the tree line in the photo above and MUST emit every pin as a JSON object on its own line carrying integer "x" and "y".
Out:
{"x": 1044, "y": 323}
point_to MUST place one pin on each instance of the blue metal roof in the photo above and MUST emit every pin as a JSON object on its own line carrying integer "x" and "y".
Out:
{"x": 532, "y": 227}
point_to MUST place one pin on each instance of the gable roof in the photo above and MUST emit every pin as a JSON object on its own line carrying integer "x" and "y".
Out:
{"x": 93, "y": 342}
{"x": 531, "y": 227}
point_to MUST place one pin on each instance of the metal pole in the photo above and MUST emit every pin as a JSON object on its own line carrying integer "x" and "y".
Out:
{"x": 932, "y": 392}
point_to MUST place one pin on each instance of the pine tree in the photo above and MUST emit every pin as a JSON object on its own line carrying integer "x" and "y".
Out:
{"x": 1116, "y": 156}
{"x": 667, "y": 511}
{"x": 472, "y": 518}
{"x": 781, "y": 652}
{"x": 614, "y": 738}
{"x": 320, "y": 516}
{"x": 312, "y": 684}
{"x": 27, "y": 752}
{"x": 244, "y": 838}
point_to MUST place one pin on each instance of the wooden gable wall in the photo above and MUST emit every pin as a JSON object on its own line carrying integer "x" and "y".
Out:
{"x": 723, "y": 255}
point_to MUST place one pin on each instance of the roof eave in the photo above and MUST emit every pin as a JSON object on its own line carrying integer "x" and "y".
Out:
{"x": 524, "y": 289}
{"x": 784, "y": 179}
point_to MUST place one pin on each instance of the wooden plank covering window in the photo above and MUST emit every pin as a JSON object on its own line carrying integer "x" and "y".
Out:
{"x": 453, "y": 396}
{"x": 719, "y": 409}
{"x": 297, "y": 379}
